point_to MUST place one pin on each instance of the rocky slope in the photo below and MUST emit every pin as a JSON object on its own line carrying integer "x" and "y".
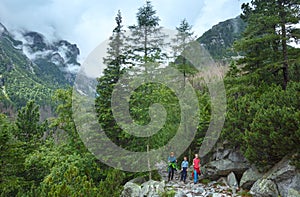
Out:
{"x": 177, "y": 189}
{"x": 225, "y": 173}
{"x": 33, "y": 68}
{"x": 220, "y": 38}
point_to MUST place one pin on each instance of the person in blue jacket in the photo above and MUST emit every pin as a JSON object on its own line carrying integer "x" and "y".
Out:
{"x": 171, "y": 166}
{"x": 184, "y": 168}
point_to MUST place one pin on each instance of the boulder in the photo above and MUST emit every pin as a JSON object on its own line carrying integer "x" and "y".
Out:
{"x": 225, "y": 161}
{"x": 293, "y": 193}
{"x": 131, "y": 190}
{"x": 292, "y": 182}
{"x": 180, "y": 193}
{"x": 264, "y": 188}
{"x": 231, "y": 180}
{"x": 285, "y": 177}
{"x": 215, "y": 169}
{"x": 249, "y": 177}
{"x": 237, "y": 156}
{"x": 221, "y": 154}
{"x": 223, "y": 181}
{"x": 152, "y": 188}
{"x": 162, "y": 169}
{"x": 139, "y": 180}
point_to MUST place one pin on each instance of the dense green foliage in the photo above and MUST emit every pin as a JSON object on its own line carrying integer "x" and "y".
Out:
{"x": 22, "y": 79}
{"x": 47, "y": 157}
{"x": 56, "y": 165}
{"x": 19, "y": 83}
{"x": 263, "y": 89}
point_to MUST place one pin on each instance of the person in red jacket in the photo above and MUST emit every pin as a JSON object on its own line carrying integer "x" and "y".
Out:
{"x": 196, "y": 164}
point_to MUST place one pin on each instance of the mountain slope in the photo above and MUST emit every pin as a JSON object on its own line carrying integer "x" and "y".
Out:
{"x": 220, "y": 38}
{"x": 31, "y": 70}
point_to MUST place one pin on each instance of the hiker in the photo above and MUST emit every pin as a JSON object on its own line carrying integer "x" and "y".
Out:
{"x": 171, "y": 166}
{"x": 196, "y": 164}
{"x": 184, "y": 168}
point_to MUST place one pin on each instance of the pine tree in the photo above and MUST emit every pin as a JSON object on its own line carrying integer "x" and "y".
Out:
{"x": 146, "y": 40}
{"x": 271, "y": 24}
{"x": 146, "y": 45}
{"x": 28, "y": 122}
{"x": 183, "y": 38}
{"x": 116, "y": 62}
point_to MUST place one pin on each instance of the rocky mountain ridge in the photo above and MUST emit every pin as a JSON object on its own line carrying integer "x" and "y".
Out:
{"x": 220, "y": 38}
{"x": 33, "y": 68}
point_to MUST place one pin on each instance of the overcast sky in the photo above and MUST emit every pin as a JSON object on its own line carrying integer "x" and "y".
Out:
{"x": 89, "y": 22}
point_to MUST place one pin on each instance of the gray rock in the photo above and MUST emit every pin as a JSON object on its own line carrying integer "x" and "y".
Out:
{"x": 160, "y": 187}
{"x": 180, "y": 193}
{"x": 237, "y": 156}
{"x": 198, "y": 190}
{"x": 216, "y": 169}
{"x": 131, "y": 190}
{"x": 176, "y": 185}
{"x": 293, "y": 193}
{"x": 264, "y": 188}
{"x": 218, "y": 195}
{"x": 222, "y": 154}
{"x": 138, "y": 180}
{"x": 249, "y": 177}
{"x": 284, "y": 176}
{"x": 231, "y": 180}
{"x": 210, "y": 193}
{"x": 162, "y": 169}
{"x": 151, "y": 188}
{"x": 282, "y": 171}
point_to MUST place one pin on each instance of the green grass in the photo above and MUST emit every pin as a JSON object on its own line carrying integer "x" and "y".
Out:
{"x": 205, "y": 181}
{"x": 170, "y": 193}
{"x": 244, "y": 194}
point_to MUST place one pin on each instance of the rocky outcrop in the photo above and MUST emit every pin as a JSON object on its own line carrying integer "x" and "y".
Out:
{"x": 162, "y": 169}
{"x": 281, "y": 180}
{"x": 230, "y": 173}
{"x": 249, "y": 177}
{"x": 216, "y": 169}
{"x": 177, "y": 188}
{"x": 131, "y": 190}
{"x": 138, "y": 180}
{"x": 225, "y": 160}
{"x": 152, "y": 188}
{"x": 264, "y": 188}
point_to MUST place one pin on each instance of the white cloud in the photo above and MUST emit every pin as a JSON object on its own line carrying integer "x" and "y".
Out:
{"x": 88, "y": 23}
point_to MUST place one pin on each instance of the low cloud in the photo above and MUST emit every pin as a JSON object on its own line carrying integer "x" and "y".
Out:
{"x": 88, "y": 23}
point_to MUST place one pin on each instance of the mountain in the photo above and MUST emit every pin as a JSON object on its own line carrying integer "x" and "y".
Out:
{"x": 219, "y": 39}
{"x": 33, "y": 68}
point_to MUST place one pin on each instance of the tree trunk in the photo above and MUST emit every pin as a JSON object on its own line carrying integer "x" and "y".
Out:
{"x": 284, "y": 46}
{"x": 149, "y": 166}
{"x": 145, "y": 45}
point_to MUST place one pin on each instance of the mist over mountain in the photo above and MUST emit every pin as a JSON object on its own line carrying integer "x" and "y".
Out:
{"x": 33, "y": 67}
